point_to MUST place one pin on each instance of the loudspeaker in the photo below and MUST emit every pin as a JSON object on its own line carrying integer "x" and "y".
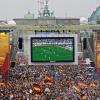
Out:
{"x": 92, "y": 64}
{"x": 20, "y": 43}
{"x": 58, "y": 31}
{"x": 35, "y": 31}
{"x": 12, "y": 64}
{"x": 85, "y": 43}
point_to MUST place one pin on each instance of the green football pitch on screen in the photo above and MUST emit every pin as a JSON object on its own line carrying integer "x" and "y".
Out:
{"x": 51, "y": 53}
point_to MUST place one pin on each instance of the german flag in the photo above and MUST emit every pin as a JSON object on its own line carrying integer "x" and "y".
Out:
{"x": 5, "y": 67}
{"x": 83, "y": 97}
{"x": 82, "y": 84}
{"x": 36, "y": 87}
{"x": 2, "y": 60}
{"x": 47, "y": 79}
{"x": 37, "y": 93}
{"x": 92, "y": 84}
{"x": 2, "y": 84}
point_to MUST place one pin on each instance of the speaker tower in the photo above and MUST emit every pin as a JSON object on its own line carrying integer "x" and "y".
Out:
{"x": 20, "y": 43}
{"x": 85, "y": 43}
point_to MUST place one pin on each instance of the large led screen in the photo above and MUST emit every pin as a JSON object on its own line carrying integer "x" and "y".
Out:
{"x": 52, "y": 49}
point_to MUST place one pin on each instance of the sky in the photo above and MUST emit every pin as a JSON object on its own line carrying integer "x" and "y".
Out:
{"x": 10, "y": 9}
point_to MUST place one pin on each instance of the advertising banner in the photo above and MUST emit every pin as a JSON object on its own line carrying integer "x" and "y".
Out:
{"x": 98, "y": 52}
{"x": 4, "y": 51}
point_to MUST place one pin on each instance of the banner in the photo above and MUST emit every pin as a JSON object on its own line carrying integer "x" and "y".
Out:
{"x": 98, "y": 52}
{"x": 4, "y": 52}
{"x": 5, "y": 67}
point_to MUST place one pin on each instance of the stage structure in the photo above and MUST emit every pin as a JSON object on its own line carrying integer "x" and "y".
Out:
{"x": 50, "y": 47}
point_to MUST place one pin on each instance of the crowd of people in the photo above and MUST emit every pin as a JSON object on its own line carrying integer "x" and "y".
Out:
{"x": 65, "y": 42}
{"x": 67, "y": 82}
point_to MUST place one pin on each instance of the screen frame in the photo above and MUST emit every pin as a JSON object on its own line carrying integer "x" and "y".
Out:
{"x": 61, "y": 61}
